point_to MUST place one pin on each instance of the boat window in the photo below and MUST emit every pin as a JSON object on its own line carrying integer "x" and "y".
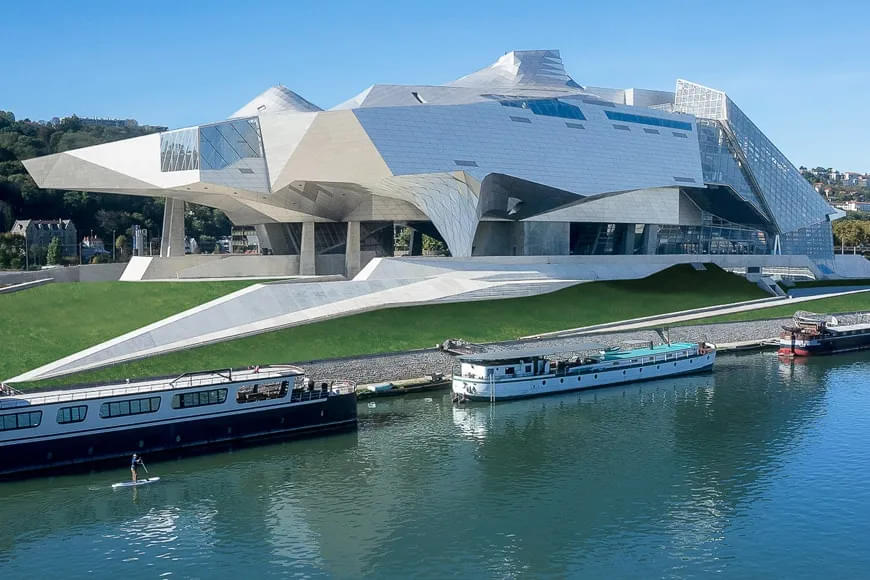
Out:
{"x": 72, "y": 414}
{"x": 26, "y": 420}
{"x": 263, "y": 391}
{"x": 199, "y": 398}
{"x": 509, "y": 371}
{"x": 528, "y": 368}
{"x": 129, "y": 407}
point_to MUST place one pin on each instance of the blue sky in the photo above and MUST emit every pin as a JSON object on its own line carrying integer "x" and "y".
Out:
{"x": 800, "y": 70}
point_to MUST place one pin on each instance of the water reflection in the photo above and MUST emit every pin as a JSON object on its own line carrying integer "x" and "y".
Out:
{"x": 591, "y": 482}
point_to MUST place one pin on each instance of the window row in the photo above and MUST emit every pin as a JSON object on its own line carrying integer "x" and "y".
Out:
{"x": 72, "y": 414}
{"x": 20, "y": 420}
{"x": 548, "y": 108}
{"x": 199, "y": 398}
{"x": 645, "y": 120}
{"x": 130, "y": 407}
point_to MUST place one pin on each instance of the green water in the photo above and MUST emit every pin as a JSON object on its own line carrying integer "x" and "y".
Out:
{"x": 759, "y": 469}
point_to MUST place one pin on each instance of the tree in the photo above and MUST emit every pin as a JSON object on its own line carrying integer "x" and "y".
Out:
{"x": 11, "y": 251}
{"x": 52, "y": 255}
{"x": 121, "y": 246}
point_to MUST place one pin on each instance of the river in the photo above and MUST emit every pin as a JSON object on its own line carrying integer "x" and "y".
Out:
{"x": 761, "y": 468}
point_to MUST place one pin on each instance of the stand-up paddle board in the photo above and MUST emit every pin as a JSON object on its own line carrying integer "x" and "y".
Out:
{"x": 135, "y": 483}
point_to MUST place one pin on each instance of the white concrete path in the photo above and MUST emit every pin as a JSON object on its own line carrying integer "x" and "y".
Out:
{"x": 671, "y": 318}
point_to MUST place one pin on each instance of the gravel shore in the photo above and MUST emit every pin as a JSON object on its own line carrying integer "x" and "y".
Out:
{"x": 412, "y": 364}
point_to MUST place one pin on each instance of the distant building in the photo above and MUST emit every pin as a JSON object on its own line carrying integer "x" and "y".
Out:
{"x": 94, "y": 121}
{"x": 91, "y": 246}
{"x": 245, "y": 240}
{"x": 39, "y": 233}
{"x": 855, "y": 206}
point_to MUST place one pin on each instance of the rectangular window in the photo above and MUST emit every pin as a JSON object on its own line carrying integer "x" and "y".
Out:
{"x": 246, "y": 170}
{"x": 129, "y": 407}
{"x": 574, "y": 125}
{"x": 263, "y": 392}
{"x": 681, "y": 135}
{"x": 72, "y": 414}
{"x": 26, "y": 420}
{"x": 520, "y": 119}
{"x": 463, "y": 163}
{"x": 199, "y": 398}
{"x": 651, "y": 131}
{"x": 685, "y": 179}
{"x": 645, "y": 120}
{"x": 622, "y": 127}
{"x": 548, "y": 108}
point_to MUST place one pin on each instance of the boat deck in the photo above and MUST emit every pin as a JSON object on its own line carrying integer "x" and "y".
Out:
{"x": 656, "y": 350}
{"x": 187, "y": 380}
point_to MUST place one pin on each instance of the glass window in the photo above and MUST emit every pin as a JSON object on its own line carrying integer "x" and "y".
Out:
{"x": 178, "y": 150}
{"x": 20, "y": 420}
{"x": 548, "y": 108}
{"x": 646, "y": 120}
{"x": 223, "y": 144}
{"x": 129, "y": 407}
{"x": 199, "y": 398}
{"x": 72, "y": 414}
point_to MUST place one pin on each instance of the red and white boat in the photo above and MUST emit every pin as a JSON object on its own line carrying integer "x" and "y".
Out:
{"x": 813, "y": 334}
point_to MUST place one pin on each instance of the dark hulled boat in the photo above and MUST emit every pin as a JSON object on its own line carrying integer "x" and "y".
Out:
{"x": 813, "y": 334}
{"x": 204, "y": 410}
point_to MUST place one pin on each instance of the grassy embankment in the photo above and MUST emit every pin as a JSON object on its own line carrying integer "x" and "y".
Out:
{"x": 43, "y": 324}
{"x": 850, "y": 303}
{"x": 398, "y": 329}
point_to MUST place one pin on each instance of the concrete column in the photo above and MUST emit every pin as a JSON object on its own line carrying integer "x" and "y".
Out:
{"x": 306, "y": 251}
{"x": 351, "y": 251}
{"x": 416, "y": 244}
{"x": 172, "y": 238}
{"x": 628, "y": 240}
{"x": 650, "y": 239}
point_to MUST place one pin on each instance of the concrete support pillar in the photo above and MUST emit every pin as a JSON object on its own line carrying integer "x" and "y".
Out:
{"x": 650, "y": 239}
{"x": 172, "y": 239}
{"x": 416, "y": 244}
{"x": 306, "y": 251}
{"x": 351, "y": 251}
{"x": 628, "y": 240}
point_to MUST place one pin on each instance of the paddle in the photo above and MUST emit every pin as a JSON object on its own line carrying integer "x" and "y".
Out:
{"x": 143, "y": 466}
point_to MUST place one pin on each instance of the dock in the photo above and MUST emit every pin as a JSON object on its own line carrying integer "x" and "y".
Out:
{"x": 403, "y": 387}
{"x": 747, "y": 345}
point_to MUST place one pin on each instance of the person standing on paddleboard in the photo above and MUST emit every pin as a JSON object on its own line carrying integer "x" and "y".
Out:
{"x": 134, "y": 466}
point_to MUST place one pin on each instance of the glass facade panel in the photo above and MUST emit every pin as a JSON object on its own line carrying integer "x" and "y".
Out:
{"x": 178, "y": 150}
{"x": 644, "y": 120}
{"x": 223, "y": 144}
{"x": 798, "y": 211}
{"x": 548, "y": 108}
{"x": 720, "y": 163}
{"x": 714, "y": 236}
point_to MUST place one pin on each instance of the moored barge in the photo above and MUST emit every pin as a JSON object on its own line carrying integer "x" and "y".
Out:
{"x": 89, "y": 425}
{"x": 813, "y": 334}
{"x": 503, "y": 375}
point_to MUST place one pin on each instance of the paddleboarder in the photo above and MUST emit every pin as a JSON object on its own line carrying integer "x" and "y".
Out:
{"x": 134, "y": 466}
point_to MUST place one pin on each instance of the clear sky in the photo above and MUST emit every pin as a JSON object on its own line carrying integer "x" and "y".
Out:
{"x": 800, "y": 70}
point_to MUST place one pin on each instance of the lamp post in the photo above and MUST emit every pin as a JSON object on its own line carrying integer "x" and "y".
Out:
{"x": 113, "y": 244}
{"x": 26, "y": 261}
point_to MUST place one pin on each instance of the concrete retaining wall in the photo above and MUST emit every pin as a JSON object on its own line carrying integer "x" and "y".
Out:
{"x": 85, "y": 273}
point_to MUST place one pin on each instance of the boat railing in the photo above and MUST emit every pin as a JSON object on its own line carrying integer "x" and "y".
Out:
{"x": 184, "y": 381}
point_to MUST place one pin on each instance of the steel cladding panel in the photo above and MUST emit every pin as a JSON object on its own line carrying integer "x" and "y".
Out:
{"x": 584, "y": 157}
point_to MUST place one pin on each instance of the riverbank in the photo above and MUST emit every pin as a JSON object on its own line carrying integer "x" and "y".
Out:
{"x": 419, "y": 363}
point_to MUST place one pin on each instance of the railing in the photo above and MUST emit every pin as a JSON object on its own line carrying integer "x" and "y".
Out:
{"x": 184, "y": 381}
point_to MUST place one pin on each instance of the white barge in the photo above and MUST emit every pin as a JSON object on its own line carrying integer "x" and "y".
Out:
{"x": 503, "y": 375}
{"x": 80, "y": 426}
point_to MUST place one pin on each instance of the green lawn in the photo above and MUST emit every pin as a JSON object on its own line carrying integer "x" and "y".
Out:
{"x": 45, "y": 323}
{"x": 852, "y": 303}
{"x": 677, "y": 288}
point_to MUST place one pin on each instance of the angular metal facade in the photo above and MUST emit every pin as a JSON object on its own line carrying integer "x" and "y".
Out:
{"x": 518, "y": 141}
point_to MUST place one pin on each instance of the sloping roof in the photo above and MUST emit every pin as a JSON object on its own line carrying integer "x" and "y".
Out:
{"x": 276, "y": 100}
{"x": 521, "y": 68}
